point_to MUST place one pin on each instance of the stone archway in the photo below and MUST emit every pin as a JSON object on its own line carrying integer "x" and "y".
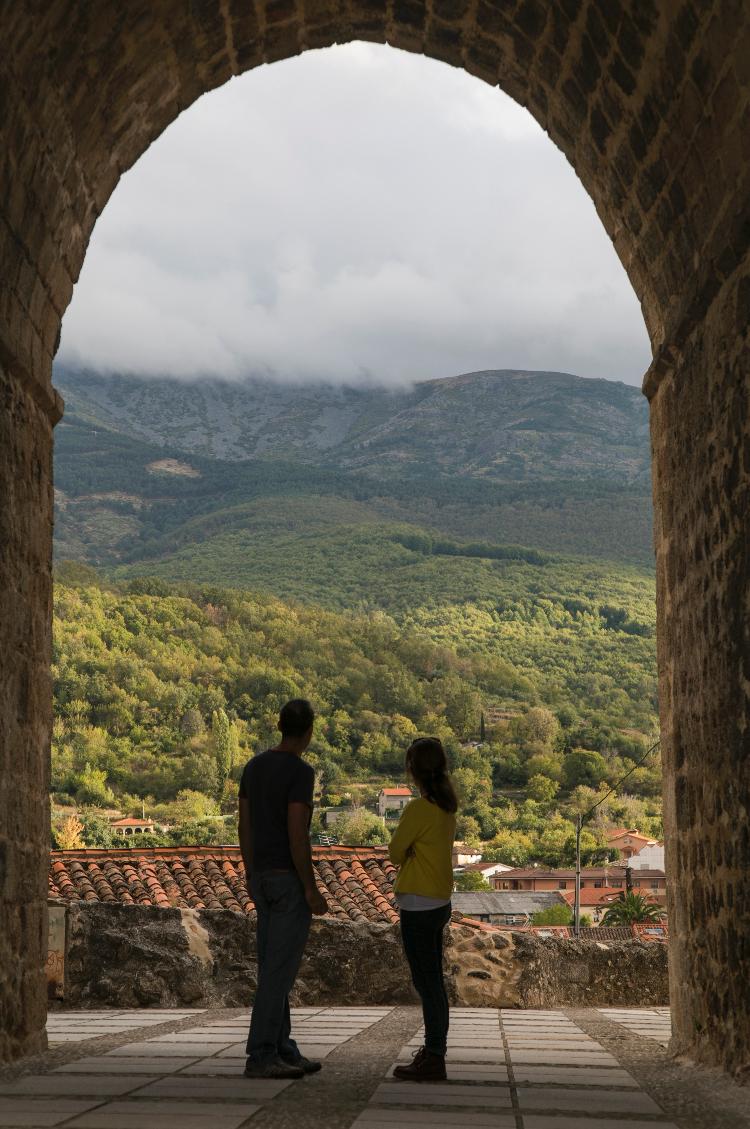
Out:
{"x": 649, "y": 102}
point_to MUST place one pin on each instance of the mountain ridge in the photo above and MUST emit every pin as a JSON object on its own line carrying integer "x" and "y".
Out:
{"x": 553, "y": 462}
{"x": 507, "y": 424}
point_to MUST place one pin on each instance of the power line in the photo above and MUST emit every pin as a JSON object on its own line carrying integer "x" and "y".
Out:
{"x": 580, "y": 820}
{"x": 614, "y": 787}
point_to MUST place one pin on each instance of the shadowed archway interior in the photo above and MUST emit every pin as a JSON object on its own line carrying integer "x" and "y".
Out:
{"x": 649, "y": 102}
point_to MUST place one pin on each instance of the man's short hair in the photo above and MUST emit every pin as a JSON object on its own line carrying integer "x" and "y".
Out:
{"x": 296, "y": 717}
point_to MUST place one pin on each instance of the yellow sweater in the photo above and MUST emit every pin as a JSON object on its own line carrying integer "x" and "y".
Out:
{"x": 422, "y": 847}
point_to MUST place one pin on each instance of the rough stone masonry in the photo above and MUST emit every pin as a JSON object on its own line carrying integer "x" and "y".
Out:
{"x": 648, "y": 99}
{"x": 141, "y": 956}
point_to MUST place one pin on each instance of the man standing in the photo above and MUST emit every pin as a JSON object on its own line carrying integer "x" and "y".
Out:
{"x": 275, "y": 809}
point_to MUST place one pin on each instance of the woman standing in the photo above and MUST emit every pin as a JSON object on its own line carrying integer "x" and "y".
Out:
{"x": 422, "y": 847}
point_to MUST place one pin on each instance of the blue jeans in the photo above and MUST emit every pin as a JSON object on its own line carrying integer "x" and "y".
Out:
{"x": 283, "y": 926}
{"x": 422, "y": 935}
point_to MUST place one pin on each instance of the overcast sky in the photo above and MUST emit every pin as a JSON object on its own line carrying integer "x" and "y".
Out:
{"x": 353, "y": 214}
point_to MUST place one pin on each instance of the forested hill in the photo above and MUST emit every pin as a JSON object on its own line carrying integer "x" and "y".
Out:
{"x": 162, "y": 692}
{"x": 193, "y": 480}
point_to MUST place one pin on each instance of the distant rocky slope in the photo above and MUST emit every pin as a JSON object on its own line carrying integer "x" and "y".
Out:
{"x": 504, "y": 425}
{"x": 147, "y": 467}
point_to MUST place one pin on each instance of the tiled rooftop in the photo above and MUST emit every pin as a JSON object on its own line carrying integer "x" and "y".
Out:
{"x": 356, "y": 881}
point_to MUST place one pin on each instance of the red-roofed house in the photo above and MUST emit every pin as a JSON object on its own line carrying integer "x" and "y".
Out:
{"x": 392, "y": 801}
{"x": 129, "y": 826}
{"x": 627, "y": 841}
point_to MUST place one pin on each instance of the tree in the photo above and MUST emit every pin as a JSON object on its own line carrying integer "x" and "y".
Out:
{"x": 542, "y": 789}
{"x": 225, "y": 746}
{"x": 361, "y": 828}
{"x": 192, "y": 723}
{"x": 91, "y": 787}
{"x": 191, "y": 807}
{"x": 470, "y": 880}
{"x": 631, "y": 909}
{"x": 68, "y": 834}
{"x": 582, "y": 766}
{"x": 553, "y": 915}
{"x": 514, "y": 848}
{"x": 540, "y": 725}
{"x": 96, "y": 830}
{"x": 468, "y": 831}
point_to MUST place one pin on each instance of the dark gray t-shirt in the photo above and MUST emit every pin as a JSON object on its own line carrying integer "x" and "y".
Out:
{"x": 270, "y": 782}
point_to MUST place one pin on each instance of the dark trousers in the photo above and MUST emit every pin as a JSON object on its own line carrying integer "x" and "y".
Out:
{"x": 283, "y": 926}
{"x": 422, "y": 935}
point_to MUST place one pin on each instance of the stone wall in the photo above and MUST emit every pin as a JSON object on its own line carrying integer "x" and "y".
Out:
{"x": 700, "y": 412}
{"x": 25, "y": 707}
{"x": 135, "y": 956}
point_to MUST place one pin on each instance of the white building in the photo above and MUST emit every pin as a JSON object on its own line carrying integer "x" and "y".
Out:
{"x": 392, "y": 801}
{"x": 650, "y": 857}
{"x": 488, "y": 870}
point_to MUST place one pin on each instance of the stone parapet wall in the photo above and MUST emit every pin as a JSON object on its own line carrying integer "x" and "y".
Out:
{"x": 135, "y": 956}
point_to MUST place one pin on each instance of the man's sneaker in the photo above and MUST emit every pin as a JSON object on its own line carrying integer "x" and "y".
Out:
{"x": 273, "y": 1068}
{"x": 425, "y": 1067}
{"x": 305, "y": 1064}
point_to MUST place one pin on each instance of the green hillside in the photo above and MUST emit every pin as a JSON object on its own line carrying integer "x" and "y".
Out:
{"x": 148, "y": 677}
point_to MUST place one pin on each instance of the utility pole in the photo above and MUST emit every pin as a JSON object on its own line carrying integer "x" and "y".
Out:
{"x": 580, "y": 820}
{"x": 577, "y": 908}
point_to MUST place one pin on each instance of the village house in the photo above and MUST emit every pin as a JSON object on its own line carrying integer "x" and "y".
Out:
{"x": 628, "y": 842}
{"x": 329, "y": 817}
{"x": 464, "y": 855}
{"x": 499, "y": 907}
{"x": 488, "y": 870}
{"x": 650, "y": 857}
{"x": 129, "y": 826}
{"x": 651, "y": 882}
{"x": 392, "y": 801}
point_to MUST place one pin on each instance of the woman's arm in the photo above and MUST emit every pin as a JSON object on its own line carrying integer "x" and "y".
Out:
{"x": 402, "y": 839}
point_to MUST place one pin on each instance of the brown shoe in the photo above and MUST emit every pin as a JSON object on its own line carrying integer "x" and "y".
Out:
{"x": 426, "y": 1067}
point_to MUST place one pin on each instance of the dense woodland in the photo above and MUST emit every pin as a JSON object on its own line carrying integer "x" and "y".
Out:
{"x": 543, "y": 699}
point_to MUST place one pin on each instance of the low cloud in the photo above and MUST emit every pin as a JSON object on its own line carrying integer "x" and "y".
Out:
{"x": 356, "y": 214}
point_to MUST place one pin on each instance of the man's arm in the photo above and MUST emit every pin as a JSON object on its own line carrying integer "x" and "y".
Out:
{"x": 246, "y": 837}
{"x": 298, "y": 821}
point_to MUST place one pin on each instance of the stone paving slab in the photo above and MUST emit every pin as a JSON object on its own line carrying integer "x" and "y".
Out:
{"x": 40, "y": 1112}
{"x": 477, "y": 1097}
{"x": 165, "y": 1050}
{"x": 569, "y": 1075}
{"x": 651, "y": 1024}
{"x": 545, "y": 1121}
{"x": 395, "y": 1119}
{"x": 220, "y": 1089}
{"x": 554, "y": 1057}
{"x": 214, "y": 1068}
{"x": 131, "y": 1119}
{"x": 586, "y": 1100}
{"x": 463, "y": 1054}
{"x": 219, "y": 1038}
{"x": 72, "y": 1085}
{"x": 194, "y": 1115}
{"x": 471, "y": 1072}
{"x": 113, "y": 1062}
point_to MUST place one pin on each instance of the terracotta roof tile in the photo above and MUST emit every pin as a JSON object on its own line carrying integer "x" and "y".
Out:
{"x": 356, "y": 882}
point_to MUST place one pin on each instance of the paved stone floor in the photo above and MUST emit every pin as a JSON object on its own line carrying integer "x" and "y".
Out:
{"x": 596, "y": 1069}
